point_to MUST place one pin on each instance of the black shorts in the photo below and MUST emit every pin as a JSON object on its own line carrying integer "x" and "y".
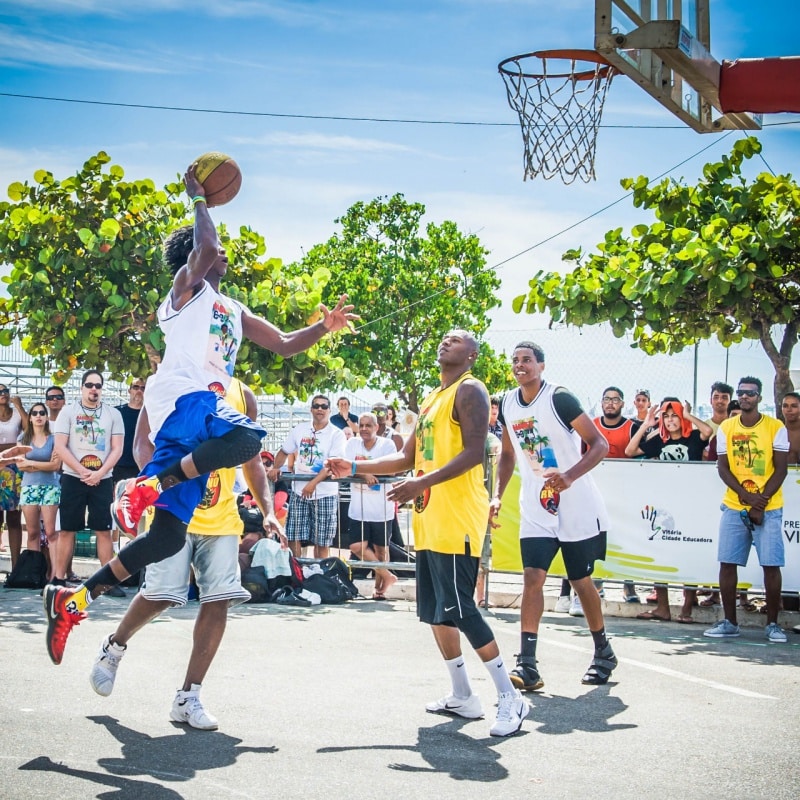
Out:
{"x": 77, "y": 498}
{"x": 445, "y": 586}
{"x": 538, "y": 552}
{"x": 375, "y": 534}
{"x": 124, "y": 473}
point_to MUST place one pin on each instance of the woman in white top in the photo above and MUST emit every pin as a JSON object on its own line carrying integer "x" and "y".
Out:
{"x": 13, "y": 419}
{"x": 41, "y": 490}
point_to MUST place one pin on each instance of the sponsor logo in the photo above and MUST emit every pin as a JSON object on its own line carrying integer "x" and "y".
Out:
{"x": 661, "y": 526}
{"x": 217, "y": 388}
{"x": 421, "y": 501}
{"x": 91, "y": 462}
{"x": 549, "y": 498}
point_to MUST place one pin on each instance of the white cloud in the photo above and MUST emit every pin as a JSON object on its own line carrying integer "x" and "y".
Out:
{"x": 22, "y": 48}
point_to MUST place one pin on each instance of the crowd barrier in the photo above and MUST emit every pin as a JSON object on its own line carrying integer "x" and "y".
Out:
{"x": 664, "y": 521}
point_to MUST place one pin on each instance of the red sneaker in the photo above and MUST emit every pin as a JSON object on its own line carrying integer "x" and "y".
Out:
{"x": 60, "y": 619}
{"x": 131, "y": 498}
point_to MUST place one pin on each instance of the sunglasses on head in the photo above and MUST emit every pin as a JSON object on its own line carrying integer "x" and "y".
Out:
{"x": 747, "y": 392}
{"x": 90, "y": 385}
{"x": 40, "y": 413}
{"x": 320, "y": 405}
{"x": 54, "y": 397}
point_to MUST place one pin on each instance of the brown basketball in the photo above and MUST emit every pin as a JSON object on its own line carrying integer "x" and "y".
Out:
{"x": 220, "y": 176}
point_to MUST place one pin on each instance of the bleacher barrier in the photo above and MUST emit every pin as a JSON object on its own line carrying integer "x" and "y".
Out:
{"x": 664, "y": 522}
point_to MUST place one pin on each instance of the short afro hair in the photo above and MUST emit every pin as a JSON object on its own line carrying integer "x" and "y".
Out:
{"x": 177, "y": 247}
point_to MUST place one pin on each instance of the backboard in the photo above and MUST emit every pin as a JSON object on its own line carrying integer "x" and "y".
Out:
{"x": 664, "y": 46}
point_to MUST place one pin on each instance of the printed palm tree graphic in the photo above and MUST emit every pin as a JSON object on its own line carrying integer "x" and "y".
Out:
{"x": 425, "y": 435}
{"x": 650, "y": 514}
{"x": 747, "y": 452}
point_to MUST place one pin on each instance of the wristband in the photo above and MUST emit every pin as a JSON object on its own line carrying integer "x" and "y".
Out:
{"x": 353, "y": 468}
{"x": 198, "y": 199}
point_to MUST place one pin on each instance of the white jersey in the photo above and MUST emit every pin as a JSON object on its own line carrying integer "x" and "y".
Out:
{"x": 579, "y": 512}
{"x": 313, "y": 448}
{"x": 369, "y": 503}
{"x": 202, "y": 340}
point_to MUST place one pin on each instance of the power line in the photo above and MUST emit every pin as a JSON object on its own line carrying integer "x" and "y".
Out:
{"x": 329, "y": 117}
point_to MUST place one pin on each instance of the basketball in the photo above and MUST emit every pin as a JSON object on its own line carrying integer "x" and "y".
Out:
{"x": 220, "y": 176}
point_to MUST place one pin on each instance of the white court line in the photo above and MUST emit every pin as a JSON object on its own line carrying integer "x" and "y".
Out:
{"x": 672, "y": 673}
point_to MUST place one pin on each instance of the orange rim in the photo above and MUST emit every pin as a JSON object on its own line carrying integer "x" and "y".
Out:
{"x": 591, "y": 56}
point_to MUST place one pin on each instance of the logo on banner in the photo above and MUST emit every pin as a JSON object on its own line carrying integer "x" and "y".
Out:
{"x": 661, "y": 524}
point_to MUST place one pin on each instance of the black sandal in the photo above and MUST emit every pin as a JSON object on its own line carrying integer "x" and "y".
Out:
{"x": 600, "y": 669}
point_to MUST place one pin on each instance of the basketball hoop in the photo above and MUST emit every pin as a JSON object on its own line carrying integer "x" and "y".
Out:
{"x": 559, "y": 101}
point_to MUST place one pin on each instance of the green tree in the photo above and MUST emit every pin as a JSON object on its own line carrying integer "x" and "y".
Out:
{"x": 410, "y": 289}
{"x": 87, "y": 277}
{"x": 721, "y": 259}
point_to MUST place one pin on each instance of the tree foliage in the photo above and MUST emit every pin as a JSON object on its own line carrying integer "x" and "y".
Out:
{"x": 721, "y": 259}
{"x": 410, "y": 289}
{"x": 87, "y": 276}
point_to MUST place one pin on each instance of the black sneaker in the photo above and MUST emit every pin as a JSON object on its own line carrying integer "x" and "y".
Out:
{"x": 116, "y": 591}
{"x": 525, "y": 676}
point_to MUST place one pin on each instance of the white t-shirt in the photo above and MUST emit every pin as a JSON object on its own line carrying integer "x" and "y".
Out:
{"x": 201, "y": 341}
{"x": 369, "y": 503}
{"x": 90, "y": 432}
{"x": 312, "y": 448}
{"x": 580, "y": 512}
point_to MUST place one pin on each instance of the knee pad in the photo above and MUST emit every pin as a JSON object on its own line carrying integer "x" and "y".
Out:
{"x": 166, "y": 537}
{"x": 230, "y": 450}
{"x": 474, "y": 627}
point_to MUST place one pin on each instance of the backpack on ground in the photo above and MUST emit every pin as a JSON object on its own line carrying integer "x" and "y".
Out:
{"x": 30, "y": 571}
{"x": 339, "y": 571}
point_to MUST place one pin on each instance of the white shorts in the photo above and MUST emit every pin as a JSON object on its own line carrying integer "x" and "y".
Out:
{"x": 216, "y": 568}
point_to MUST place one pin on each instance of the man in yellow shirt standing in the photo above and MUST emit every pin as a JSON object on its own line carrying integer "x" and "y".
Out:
{"x": 451, "y": 507}
{"x": 752, "y": 455}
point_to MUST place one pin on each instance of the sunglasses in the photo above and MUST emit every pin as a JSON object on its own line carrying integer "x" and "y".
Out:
{"x": 54, "y": 397}
{"x": 90, "y": 385}
{"x": 747, "y": 392}
{"x": 612, "y": 399}
{"x": 137, "y": 387}
{"x": 320, "y": 405}
{"x": 4, "y": 391}
{"x": 41, "y": 413}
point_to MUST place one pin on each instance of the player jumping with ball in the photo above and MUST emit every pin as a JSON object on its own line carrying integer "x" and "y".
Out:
{"x": 194, "y": 431}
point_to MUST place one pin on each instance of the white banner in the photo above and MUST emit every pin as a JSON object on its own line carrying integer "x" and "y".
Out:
{"x": 665, "y": 523}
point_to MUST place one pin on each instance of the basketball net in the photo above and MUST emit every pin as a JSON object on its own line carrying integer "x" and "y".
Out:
{"x": 559, "y": 102}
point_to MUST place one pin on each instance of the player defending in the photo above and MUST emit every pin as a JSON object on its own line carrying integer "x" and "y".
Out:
{"x": 450, "y": 505}
{"x": 560, "y": 506}
{"x": 193, "y": 429}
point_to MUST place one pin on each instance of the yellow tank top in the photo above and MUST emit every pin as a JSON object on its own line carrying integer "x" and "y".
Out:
{"x": 217, "y": 513}
{"x": 451, "y": 512}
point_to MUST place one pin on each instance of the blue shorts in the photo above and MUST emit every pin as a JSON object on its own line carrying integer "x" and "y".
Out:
{"x": 735, "y": 539}
{"x": 197, "y": 417}
{"x": 216, "y": 568}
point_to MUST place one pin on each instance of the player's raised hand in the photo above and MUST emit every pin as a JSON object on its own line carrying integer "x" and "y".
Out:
{"x": 339, "y": 317}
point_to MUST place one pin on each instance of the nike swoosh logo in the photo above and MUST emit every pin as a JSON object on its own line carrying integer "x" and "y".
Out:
{"x": 458, "y": 666}
{"x": 449, "y": 609}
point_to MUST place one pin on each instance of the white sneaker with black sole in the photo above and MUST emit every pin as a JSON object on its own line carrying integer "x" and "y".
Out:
{"x": 104, "y": 669}
{"x": 188, "y": 708}
{"x": 468, "y": 707}
{"x": 511, "y": 711}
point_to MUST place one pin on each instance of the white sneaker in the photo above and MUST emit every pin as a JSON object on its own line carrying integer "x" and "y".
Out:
{"x": 511, "y": 710}
{"x": 104, "y": 669}
{"x": 187, "y": 707}
{"x": 575, "y": 608}
{"x": 468, "y": 707}
{"x": 775, "y": 633}
{"x": 562, "y": 605}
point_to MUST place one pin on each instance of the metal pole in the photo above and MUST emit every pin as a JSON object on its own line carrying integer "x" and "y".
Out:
{"x": 694, "y": 390}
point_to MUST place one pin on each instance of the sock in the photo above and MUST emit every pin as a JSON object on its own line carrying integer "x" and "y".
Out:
{"x": 171, "y": 476}
{"x": 459, "y": 677}
{"x": 497, "y": 669}
{"x": 527, "y": 647}
{"x": 566, "y": 588}
{"x": 600, "y": 639}
{"x": 81, "y": 598}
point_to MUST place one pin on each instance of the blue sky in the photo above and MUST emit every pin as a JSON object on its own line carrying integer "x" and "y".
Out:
{"x": 433, "y": 60}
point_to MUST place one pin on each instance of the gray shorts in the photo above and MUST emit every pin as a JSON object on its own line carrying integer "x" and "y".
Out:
{"x": 216, "y": 567}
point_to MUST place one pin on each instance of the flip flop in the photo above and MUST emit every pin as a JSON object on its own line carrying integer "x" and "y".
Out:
{"x": 708, "y": 602}
{"x": 651, "y": 615}
{"x": 684, "y": 620}
{"x": 378, "y": 596}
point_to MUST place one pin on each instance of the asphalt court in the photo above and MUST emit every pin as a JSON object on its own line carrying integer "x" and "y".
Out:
{"x": 329, "y": 702}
